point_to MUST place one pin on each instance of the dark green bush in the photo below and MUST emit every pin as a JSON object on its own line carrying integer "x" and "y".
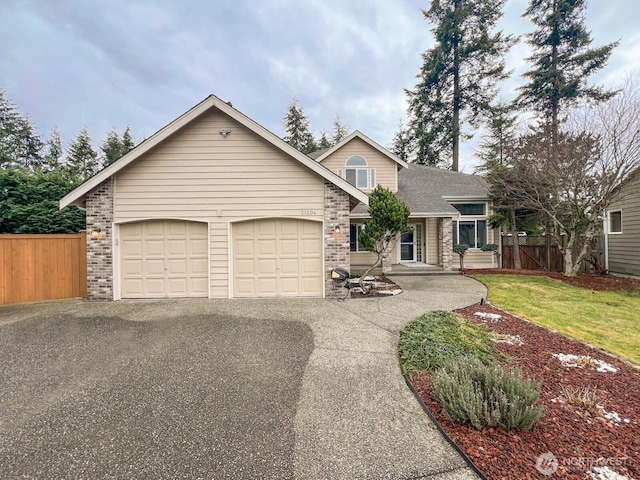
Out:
{"x": 435, "y": 338}
{"x": 481, "y": 395}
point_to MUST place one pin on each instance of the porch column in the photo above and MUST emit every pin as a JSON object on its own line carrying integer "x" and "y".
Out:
{"x": 445, "y": 241}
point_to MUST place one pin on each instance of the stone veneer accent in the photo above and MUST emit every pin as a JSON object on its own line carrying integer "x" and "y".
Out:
{"x": 99, "y": 214}
{"x": 336, "y": 245}
{"x": 445, "y": 237}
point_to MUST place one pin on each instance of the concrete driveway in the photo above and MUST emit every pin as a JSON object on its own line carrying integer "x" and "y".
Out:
{"x": 219, "y": 389}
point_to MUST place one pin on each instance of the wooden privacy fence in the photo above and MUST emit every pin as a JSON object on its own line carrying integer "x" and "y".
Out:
{"x": 543, "y": 253}
{"x": 42, "y": 267}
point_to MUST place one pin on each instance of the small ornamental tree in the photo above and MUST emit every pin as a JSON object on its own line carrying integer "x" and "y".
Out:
{"x": 389, "y": 218}
{"x": 461, "y": 250}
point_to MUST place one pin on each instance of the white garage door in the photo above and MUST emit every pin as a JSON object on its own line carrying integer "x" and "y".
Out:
{"x": 277, "y": 258}
{"x": 164, "y": 258}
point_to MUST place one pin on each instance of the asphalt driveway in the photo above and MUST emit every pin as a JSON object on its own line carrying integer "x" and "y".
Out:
{"x": 219, "y": 389}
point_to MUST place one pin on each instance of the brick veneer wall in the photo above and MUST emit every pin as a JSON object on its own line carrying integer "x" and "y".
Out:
{"x": 445, "y": 237}
{"x": 99, "y": 214}
{"x": 336, "y": 245}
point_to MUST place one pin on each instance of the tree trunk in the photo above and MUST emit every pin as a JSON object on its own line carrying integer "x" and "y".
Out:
{"x": 515, "y": 250}
{"x": 367, "y": 272}
{"x": 456, "y": 104}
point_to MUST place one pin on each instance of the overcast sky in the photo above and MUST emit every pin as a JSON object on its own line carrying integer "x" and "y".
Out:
{"x": 141, "y": 63}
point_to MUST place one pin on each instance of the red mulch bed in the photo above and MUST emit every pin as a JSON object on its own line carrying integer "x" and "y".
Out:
{"x": 578, "y": 438}
{"x": 590, "y": 281}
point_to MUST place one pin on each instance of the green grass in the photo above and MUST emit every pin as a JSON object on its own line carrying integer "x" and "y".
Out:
{"x": 608, "y": 320}
{"x": 435, "y": 338}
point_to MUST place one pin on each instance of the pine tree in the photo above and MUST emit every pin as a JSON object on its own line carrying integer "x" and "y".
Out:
{"x": 401, "y": 144}
{"x": 500, "y": 138}
{"x": 114, "y": 147}
{"x": 561, "y": 60}
{"x": 340, "y": 131}
{"x": 54, "y": 151}
{"x": 324, "y": 142}
{"x": 82, "y": 160}
{"x": 127, "y": 141}
{"x": 457, "y": 81}
{"x": 20, "y": 146}
{"x": 296, "y": 126}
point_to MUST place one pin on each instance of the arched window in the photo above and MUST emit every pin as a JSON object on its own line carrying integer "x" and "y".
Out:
{"x": 357, "y": 173}
{"x": 356, "y": 161}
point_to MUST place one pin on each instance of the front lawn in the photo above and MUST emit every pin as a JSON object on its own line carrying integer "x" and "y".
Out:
{"x": 606, "y": 319}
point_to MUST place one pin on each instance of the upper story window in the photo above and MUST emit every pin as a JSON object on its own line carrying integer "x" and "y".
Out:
{"x": 615, "y": 221}
{"x": 472, "y": 226}
{"x": 358, "y": 173}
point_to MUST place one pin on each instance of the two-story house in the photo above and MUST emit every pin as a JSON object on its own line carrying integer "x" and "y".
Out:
{"x": 214, "y": 205}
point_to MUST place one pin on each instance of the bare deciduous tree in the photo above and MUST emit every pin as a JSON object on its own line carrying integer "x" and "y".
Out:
{"x": 574, "y": 181}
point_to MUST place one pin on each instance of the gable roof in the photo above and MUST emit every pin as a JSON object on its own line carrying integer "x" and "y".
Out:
{"x": 77, "y": 196}
{"x": 429, "y": 190}
{"x": 320, "y": 155}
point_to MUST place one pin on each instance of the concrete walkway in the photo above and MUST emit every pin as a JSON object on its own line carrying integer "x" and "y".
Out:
{"x": 354, "y": 418}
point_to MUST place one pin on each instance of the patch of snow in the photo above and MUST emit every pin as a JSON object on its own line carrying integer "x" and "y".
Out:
{"x": 581, "y": 361}
{"x": 489, "y": 317}
{"x": 606, "y": 473}
{"x": 613, "y": 417}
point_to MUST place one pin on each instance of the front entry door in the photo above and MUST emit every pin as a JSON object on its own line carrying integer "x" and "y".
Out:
{"x": 408, "y": 245}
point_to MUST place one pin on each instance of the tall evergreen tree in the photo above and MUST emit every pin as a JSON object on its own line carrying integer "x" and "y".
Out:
{"x": 114, "y": 147}
{"x": 499, "y": 139}
{"x": 457, "y": 80}
{"x": 296, "y": 126}
{"x": 561, "y": 61}
{"x": 323, "y": 141}
{"x": 20, "y": 146}
{"x": 82, "y": 160}
{"x": 340, "y": 131}
{"x": 401, "y": 144}
{"x": 54, "y": 151}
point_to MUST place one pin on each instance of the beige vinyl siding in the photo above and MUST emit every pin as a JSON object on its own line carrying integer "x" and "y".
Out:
{"x": 476, "y": 258}
{"x": 197, "y": 174}
{"x": 431, "y": 237}
{"x": 624, "y": 248}
{"x": 386, "y": 169}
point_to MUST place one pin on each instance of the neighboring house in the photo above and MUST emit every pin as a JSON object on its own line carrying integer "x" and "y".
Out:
{"x": 214, "y": 205}
{"x": 446, "y": 207}
{"x": 622, "y": 229}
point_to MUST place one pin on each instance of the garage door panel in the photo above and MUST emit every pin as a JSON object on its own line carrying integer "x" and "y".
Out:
{"x": 271, "y": 256}
{"x": 267, "y": 247}
{"x": 164, "y": 258}
{"x": 198, "y": 247}
{"x": 268, "y": 286}
{"x": 177, "y": 246}
{"x": 289, "y": 246}
{"x": 198, "y": 266}
{"x": 311, "y": 247}
{"x": 289, "y": 266}
{"x": 153, "y": 248}
{"x": 267, "y": 266}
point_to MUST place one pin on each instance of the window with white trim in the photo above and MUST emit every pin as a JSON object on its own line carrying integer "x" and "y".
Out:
{"x": 615, "y": 221}
{"x": 358, "y": 173}
{"x": 354, "y": 234}
{"x": 471, "y": 228}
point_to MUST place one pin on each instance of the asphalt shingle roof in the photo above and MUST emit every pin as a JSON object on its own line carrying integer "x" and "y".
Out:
{"x": 423, "y": 189}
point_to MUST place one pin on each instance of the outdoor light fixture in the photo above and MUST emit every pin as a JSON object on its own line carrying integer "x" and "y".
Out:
{"x": 96, "y": 233}
{"x": 224, "y": 131}
{"x": 337, "y": 229}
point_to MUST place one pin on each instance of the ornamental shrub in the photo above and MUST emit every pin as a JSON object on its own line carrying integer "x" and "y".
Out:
{"x": 482, "y": 395}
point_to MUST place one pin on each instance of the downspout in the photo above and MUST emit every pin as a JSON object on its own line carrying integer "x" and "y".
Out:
{"x": 605, "y": 228}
